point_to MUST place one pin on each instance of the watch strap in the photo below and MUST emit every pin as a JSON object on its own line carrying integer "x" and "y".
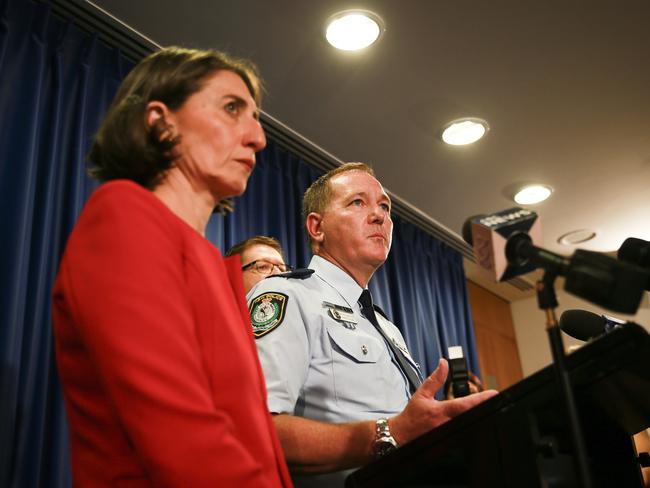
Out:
{"x": 384, "y": 440}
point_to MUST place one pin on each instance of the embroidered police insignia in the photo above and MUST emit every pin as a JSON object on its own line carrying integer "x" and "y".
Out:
{"x": 267, "y": 312}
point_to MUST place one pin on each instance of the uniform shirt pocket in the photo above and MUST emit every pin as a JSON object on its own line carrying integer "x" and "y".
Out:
{"x": 363, "y": 376}
{"x": 357, "y": 346}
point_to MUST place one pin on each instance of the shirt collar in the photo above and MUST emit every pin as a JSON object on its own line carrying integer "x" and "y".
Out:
{"x": 338, "y": 279}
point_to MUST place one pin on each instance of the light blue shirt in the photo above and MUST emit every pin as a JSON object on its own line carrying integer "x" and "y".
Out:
{"x": 324, "y": 360}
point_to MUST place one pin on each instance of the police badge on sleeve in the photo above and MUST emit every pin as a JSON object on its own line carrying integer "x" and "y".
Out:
{"x": 267, "y": 312}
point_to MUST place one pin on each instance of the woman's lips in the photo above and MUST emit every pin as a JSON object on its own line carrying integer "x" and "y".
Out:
{"x": 247, "y": 162}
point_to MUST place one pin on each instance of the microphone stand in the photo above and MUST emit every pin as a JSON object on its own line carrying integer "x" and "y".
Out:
{"x": 547, "y": 302}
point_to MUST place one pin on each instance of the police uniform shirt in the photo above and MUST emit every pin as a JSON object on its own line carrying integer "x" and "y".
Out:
{"x": 321, "y": 357}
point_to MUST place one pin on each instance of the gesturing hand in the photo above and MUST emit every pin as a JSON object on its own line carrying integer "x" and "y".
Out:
{"x": 424, "y": 413}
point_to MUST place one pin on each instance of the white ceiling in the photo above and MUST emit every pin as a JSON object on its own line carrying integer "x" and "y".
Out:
{"x": 564, "y": 85}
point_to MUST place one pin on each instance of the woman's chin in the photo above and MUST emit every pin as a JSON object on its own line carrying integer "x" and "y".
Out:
{"x": 228, "y": 191}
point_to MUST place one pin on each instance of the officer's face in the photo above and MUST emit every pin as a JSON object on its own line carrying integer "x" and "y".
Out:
{"x": 356, "y": 226}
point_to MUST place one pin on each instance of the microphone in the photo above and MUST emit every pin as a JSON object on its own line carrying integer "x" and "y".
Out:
{"x": 502, "y": 247}
{"x": 584, "y": 325}
{"x": 636, "y": 251}
{"x": 488, "y": 235}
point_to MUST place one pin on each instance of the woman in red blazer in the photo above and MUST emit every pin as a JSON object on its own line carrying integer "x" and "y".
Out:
{"x": 154, "y": 348}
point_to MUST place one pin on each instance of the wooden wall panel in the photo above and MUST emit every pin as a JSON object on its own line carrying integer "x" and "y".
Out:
{"x": 495, "y": 338}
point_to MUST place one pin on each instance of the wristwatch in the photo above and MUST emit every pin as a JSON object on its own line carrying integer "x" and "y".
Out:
{"x": 384, "y": 441}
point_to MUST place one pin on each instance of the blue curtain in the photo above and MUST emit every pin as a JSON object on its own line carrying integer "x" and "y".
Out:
{"x": 422, "y": 288}
{"x": 56, "y": 83}
{"x": 271, "y": 205}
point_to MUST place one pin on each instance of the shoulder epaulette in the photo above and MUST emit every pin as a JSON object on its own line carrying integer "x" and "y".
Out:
{"x": 301, "y": 274}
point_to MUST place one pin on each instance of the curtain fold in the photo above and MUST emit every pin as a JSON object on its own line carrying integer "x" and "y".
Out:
{"x": 56, "y": 83}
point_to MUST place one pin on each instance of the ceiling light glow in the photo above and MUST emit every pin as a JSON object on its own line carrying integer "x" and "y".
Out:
{"x": 532, "y": 194}
{"x": 464, "y": 131}
{"x": 352, "y": 30}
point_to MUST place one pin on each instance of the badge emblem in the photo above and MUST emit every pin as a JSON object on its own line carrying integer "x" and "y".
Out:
{"x": 267, "y": 312}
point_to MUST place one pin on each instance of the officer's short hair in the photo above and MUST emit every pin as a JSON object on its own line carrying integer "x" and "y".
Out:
{"x": 240, "y": 247}
{"x": 319, "y": 194}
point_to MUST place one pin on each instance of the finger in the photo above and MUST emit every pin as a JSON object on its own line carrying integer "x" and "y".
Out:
{"x": 459, "y": 405}
{"x": 435, "y": 380}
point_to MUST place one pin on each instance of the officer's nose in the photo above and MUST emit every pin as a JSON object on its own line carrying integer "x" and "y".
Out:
{"x": 377, "y": 215}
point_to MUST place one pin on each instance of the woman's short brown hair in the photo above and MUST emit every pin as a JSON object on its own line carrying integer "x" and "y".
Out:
{"x": 124, "y": 147}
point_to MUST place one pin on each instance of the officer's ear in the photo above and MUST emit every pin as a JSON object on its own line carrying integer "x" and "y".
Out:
{"x": 313, "y": 224}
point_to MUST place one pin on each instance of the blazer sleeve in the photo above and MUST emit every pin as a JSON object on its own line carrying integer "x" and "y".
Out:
{"x": 123, "y": 285}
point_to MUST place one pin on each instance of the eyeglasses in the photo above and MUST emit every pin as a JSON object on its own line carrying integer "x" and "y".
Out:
{"x": 265, "y": 267}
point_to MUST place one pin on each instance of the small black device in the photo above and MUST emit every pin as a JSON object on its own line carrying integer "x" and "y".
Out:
{"x": 458, "y": 372}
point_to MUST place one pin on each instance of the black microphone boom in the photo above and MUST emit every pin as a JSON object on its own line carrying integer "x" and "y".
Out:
{"x": 636, "y": 251}
{"x": 520, "y": 251}
{"x": 601, "y": 279}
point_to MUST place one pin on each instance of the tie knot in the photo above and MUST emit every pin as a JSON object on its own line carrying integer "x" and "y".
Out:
{"x": 366, "y": 300}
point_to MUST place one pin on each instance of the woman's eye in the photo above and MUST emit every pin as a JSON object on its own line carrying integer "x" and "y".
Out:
{"x": 358, "y": 202}
{"x": 231, "y": 107}
{"x": 386, "y": 207}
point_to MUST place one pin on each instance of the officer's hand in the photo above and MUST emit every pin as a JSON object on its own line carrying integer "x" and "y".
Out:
{"x": 424, "y": 413}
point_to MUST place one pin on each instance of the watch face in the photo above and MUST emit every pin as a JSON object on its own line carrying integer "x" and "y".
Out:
{"x": 383, "y": 447}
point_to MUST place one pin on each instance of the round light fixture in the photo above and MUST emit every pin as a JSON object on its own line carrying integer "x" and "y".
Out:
{"x": 464, "y": 131}
{"x": 532, "y": 194}
{"x": 576, "y": 237}
{"x": 351, "y": 30}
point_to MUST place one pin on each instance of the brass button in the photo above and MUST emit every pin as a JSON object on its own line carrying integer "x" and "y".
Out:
{"x": 364, "y": 349}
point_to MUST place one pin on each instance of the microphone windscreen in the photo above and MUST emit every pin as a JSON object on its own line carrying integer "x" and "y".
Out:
{"x": 582, "y": 325}
{"x": 488, "y": 235}
{"x": 635, "y": 251}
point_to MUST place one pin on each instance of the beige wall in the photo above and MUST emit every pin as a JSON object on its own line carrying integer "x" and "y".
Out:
{"x": 530, "y": 329}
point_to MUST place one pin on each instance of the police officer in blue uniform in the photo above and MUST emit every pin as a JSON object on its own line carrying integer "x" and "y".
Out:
{"x": 341, "y": 382}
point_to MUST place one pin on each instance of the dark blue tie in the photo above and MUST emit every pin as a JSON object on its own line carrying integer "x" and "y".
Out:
{"x": 368, "y": 311}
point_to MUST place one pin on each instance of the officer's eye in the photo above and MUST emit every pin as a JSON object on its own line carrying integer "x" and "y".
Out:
{"x": 357, "y": 202}
{"x": 385, "y": 207}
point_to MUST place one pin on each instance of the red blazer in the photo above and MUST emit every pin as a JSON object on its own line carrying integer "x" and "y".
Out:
{"x": 155, "y": 351}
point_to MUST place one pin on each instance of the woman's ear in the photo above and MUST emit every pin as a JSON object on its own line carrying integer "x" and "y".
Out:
{"x": 156, "y": 118}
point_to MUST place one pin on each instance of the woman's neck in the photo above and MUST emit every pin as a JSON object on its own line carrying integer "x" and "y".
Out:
{"x": 191, "y": 204}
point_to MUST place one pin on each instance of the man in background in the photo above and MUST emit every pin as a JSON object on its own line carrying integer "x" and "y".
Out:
{"x": 261, "y": 256}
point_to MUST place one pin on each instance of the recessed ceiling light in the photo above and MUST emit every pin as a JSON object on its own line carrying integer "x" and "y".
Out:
{"x": 351, "y": 30}
{"x": 464, "y": 131}
{"x": 531, "y": 194}
{"x": 576, "y": 237}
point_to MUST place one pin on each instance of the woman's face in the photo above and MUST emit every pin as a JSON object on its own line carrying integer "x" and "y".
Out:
{"x": 219, "y": 135}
